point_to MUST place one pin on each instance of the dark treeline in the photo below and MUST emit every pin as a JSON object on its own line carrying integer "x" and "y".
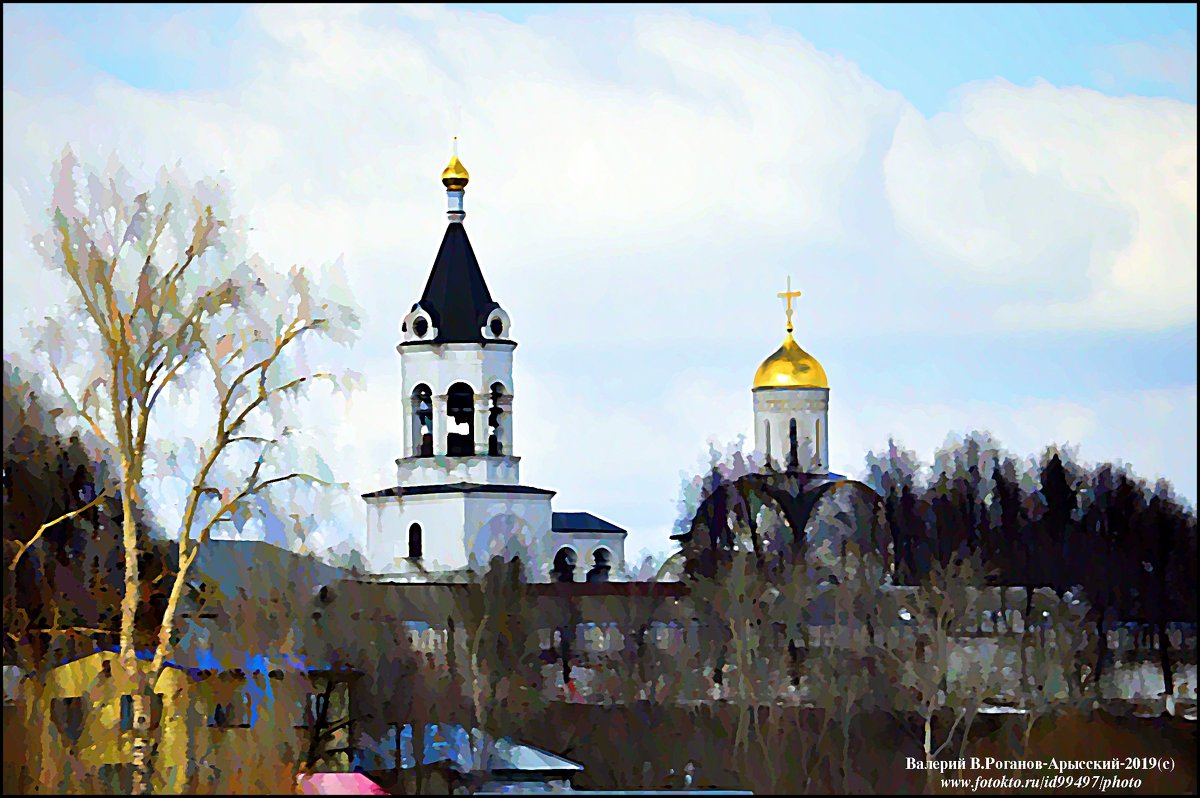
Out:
{"x": 1103, "y": 532}
{"x": 1051, "y": 523}
{"x": 62, "y": 593}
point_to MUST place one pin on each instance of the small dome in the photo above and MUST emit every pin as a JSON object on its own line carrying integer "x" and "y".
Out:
{"x": 790, "y": 367}
{"x": 454, "y": 176}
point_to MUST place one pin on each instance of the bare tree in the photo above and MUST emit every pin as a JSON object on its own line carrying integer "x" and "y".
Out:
{"x": 163, "y": 306}
{"x": 497, "y": 614}
{"x": 944, "y": 601}
{"x": 1057, "y": 659}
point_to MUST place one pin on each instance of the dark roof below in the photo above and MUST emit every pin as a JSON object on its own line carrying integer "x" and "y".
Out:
{"x": 454, "y": 487}
{"x": 456, "y": 295}
{"x": 627, "y": 589}
{"x": 582, "y": 522}
{"x": 257, "y": 566}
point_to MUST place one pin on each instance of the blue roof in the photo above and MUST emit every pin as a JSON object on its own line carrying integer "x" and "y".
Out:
{"x": 145, "y": 655}
{"x": 203, "y": 659}
{"x": 582, "y": 522}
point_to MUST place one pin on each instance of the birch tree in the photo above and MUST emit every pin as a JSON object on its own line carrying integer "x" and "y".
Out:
{"x": 170, "y": 328}
{"x": 497, "y": 615}
{"x": 1057, "y": 660}
{"x": 942, "y": 604}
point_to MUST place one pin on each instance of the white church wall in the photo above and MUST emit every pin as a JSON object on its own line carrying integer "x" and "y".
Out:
{"x": 497, "y": 367}
{"x": 508, "y": 525}
{"x": 586, "y": 545}
{"x": 447, "y": 470}
{"x": 440, "y": 366}
{"x": 776, "y": 407}
{"x": 442, "y": 520}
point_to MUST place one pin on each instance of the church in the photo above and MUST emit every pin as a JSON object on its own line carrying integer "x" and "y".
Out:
{"x": 458, "y": 500}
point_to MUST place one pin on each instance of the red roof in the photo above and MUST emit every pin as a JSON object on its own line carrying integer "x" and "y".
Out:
{"x": 338, "y": 784}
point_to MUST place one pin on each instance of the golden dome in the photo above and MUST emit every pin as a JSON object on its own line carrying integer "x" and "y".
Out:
{"x": 790, "y": 367}
{"x": 454, "y": 176}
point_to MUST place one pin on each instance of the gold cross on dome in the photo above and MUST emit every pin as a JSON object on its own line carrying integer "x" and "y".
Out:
{"x": 788, "y": 294}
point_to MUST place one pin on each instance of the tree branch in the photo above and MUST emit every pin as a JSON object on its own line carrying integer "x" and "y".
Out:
{"x": 264, "y": 364}
{"x": 949, "y": 735}
{"x": 76, "y": 406}
{"x": 59, "y": 520}
{"x": 252, "y": 438}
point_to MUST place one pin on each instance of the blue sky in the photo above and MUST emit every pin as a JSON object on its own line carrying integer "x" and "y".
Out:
{"x": 991, "y": 209}
{"x": 927, "y": 51}
{"x": 924, "y": 51}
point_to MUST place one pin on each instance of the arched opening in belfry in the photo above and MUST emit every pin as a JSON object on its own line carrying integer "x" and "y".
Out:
{"x": 496, "y": 421}
{"x": 767, "y": 439}
{"x": 793, "y": 461}
{"x": 460, "y": 407}
{"x": 564, "y": 565}
{"x": 422, "y": 421}
{"x": 415, "y": 549}
{"x": 817, "y": 453}
{"x": 602, "y": 564}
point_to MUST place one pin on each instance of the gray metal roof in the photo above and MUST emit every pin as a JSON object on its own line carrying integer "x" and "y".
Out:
{"x": 451, "y": 744}
{"x": 582, "y": 522}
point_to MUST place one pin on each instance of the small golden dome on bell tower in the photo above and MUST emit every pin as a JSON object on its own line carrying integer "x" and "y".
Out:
{"x": 455, "y": 176}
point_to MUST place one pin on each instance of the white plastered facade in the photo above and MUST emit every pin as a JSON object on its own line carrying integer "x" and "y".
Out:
{"x": 586, "y": 545}
{"x": 460, "y": 529}
{"x": 439, "y": 367}
{"x": 775, "y": 410}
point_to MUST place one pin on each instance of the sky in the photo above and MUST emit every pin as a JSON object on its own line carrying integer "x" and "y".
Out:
{"x": 990, "y": 211}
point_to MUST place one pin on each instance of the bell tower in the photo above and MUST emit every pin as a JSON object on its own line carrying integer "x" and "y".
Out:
{"x": 456, "y": 366}
{"x": 458, "y": 501}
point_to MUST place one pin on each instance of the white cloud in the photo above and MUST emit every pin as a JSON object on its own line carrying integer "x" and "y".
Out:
{"x": 639, "y": 188}
{"x": 1170, "y": 60}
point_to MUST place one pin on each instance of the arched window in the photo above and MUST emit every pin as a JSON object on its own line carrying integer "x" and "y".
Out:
{"x": 767, "y": 439}
{"x": 495, "y": 422}
{"x": 414, "y": 542}
{"x": 564, "y": 565}
{"x": 602, "y": 565}
{"x": 793, "y": 461}
{"x": 817, "y": 454}
{"x": 460, "y": 406}
{"x": 422, "y": 421}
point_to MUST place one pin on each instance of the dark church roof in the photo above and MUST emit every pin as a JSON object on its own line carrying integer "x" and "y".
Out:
{"x": 582, "y": 522}
{"x": 454, "y": 487}
{"x": 456, "y": 296}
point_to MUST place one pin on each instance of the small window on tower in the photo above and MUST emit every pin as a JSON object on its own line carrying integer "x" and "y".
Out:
{"x": 497, "y": 327}
{"x": 414, "y": 542}
{"x": 420, "y": 327}
{"x": 422, "y": 421}
{"x": 793, "y": 460}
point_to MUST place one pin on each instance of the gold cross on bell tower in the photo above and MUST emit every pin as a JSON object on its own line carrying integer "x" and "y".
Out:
{"x": 788, "y": 295}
